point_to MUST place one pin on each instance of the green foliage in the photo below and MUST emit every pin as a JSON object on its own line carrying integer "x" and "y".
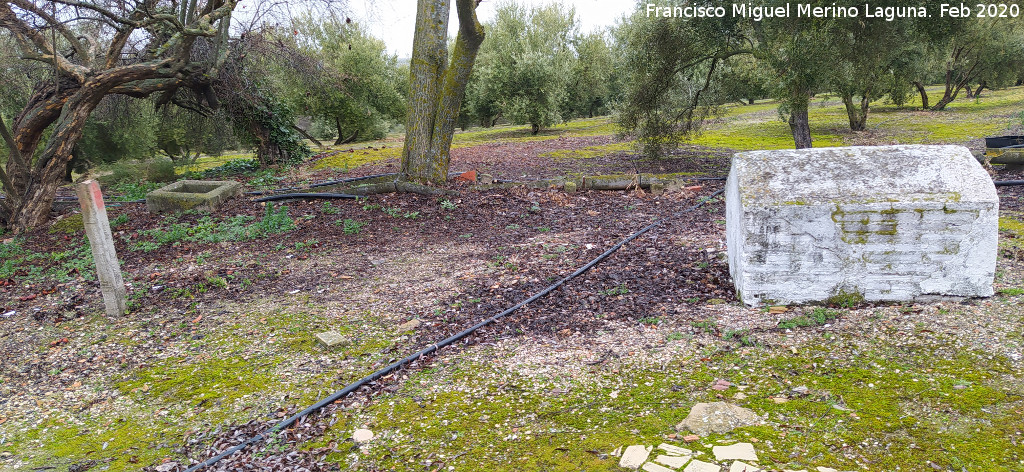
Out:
{"x": 620, "y": 289}
{"x": 233, "y": 167}
{"x": 360, "y": 94}
{"x": 350, "y": 226}
{"x": 817, "y": 317}
{"x": 210, "y": 230}
{"x": 448, "y": 204}
{"x": 135, "y": 190}
{"x": 523, "y": 70}
{"x": 20, "y": 264}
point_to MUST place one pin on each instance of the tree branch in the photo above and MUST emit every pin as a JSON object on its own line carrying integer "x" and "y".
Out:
{"x": 59, "y": 26}
{"x": 11, "y": 22}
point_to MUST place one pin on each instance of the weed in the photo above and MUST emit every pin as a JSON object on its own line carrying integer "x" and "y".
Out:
{"x": 674, "y": 336}
{"x": 216, "y": 281}
{"x": 817, "y": 317}
{"x": 740, "y": 335}
{"x": 702, "y": 265}
{"x": 447, "y": 204}
{"x": 512, "y": 226}
{"x": 650, "y": 320}
{"x": 134, "y": 190}
{"x": 412, "y": 215}
{"x": 706, "y": 326}
{"x": 392, "y": 211}
{"x": 302, "y": 245}
{"x": 543, "y": 229}
{"x": 350, "y": 226}
{"x": 120, "y": 220}
{"x": 328, "y": 209}
{"x": 370, "y": 207}
{"x": 620, "y": 289}
{"x": 845, "y": 299}
{"x": 1011, "y": 292}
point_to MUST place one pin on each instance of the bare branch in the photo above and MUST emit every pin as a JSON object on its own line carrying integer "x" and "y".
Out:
{"x": 58, "y": 25}
{"x": 47, "y": 51}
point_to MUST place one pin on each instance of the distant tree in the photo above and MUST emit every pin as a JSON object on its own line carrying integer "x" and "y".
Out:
{"x": 589, "y": 90}
{"x": 360, "y": 92}
{"x": 743, "y": 79}
{"x": 526, "y": 65}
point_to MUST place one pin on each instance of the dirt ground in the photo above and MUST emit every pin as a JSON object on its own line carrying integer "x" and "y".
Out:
{"x": 219, "y": 342}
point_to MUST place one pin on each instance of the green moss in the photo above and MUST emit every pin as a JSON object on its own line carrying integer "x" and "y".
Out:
{"x": 69, "y": 225}
{"x": 845, "y": 299}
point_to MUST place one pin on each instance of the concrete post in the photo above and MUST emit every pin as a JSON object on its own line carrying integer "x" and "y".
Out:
{"x": 97, "y": 227}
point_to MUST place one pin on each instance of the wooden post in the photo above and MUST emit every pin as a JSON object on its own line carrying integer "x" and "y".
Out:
{"x": 97, "y": 227}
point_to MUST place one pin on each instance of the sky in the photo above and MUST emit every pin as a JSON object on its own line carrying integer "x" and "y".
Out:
{"x": 394, "y": 20}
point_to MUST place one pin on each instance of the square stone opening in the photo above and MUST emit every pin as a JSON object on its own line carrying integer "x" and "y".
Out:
{"x": 886, "y": 223}
{"x": 192, "y": 194}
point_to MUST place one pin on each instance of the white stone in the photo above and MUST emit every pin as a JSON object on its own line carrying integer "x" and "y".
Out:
{"x": 743, "y": 467}
{"x": 891, "y": 223}
{"x": 740, "y": 451}
{"x": 676, "y": 450}
{"x": 617, "y": 452}
{"x": 826, "y": 469}
{"x": 674, "y": 462}
{"x": 652, "y": 467}
{"x": 634, "y": 456}
{"x": 701, "y": 466}
{"x": 362, "y": 435}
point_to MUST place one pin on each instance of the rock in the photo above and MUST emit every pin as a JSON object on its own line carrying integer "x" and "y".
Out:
{"x": 486, "y": 179}
{"x": 409, "y": 325}
{"x": 740, "y": 396}
{"x": 718, "y": 417}
{"x": 569, "y": 187}
{"x": 657, "y": 188}
{"x": 467, "y": 176}
{"x": 865, "y": 223}
{"x": 675, "y": 450}
{"x": 331, "y": 339}
{"x": 826, "y": 469}
{"x": 634, "y": 456}
{"x": 652, "y": 467}
{"x": 740, "y": 451}
{"x": 801, "y": 390}
{"x": 362, "y": 435}
{"x": 617, "y": 452}
{"x": 166, "y": 467}
{"x": 701, "y": 466}
{"x": 691, "y": 438}
{"x": 721, "y": 384}
{"x": 674, "y": 462}
{"x": 780, "y": 399}
{"x": 743, "y": 467}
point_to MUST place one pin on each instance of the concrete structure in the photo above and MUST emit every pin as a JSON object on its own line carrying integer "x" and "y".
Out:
{"x": 97, "y": 228}
{"x": 890, "y": 223}
{"x": 192, "y": 194}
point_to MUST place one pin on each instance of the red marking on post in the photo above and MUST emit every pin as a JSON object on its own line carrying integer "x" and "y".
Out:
{"x": 97, "y": 195}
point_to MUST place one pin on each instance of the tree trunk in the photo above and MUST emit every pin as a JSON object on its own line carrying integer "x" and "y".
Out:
{"x": 799, "y": 123}
{"x": 924, "y": 94}
{"x": 437, "y": 86}
{"x": 341, "y": 135}
{"x": 534, "y": 128}
{"x": 981, "y": 86}
{"x": 858, "y": 116}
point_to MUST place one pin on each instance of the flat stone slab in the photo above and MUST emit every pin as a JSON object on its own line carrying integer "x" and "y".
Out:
{"x": 652, "y": 467}
{"x": 718, "y": 417}
{"x": 675, "y": 450}
{"x": 192, "y": 194}
{"x": 634, "y": 456}
{"x": 331, "y": 339}
{"x": 744, "y": 467}
{"x": 701, "y": 466}
{"x": 741, "y": 451}
{"x": 674, "y": 462}
{"x": 884, "y": 223}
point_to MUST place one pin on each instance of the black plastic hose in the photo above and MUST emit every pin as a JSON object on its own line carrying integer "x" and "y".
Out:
{"x": 321, "y": 184}
{"x": 307, "y": 196}
{"x": 1008, "y": 183}
{"x": 443, "y": 343}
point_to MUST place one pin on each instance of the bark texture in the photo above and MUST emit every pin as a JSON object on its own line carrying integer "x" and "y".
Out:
{"x": 437, "y": 86}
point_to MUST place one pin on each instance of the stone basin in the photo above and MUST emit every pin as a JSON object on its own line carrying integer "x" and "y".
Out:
{"x": 885, "y": 223}
{"x": 192, "y": 194}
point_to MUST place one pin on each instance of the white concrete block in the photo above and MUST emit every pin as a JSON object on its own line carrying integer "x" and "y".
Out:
{"x": 890, "y": 223}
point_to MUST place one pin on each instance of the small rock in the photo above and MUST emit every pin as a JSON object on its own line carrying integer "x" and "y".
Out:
{"x": 486, "y": 179}
{"x": 826, "y": 469}
{"x": 721, "y": 384}
{"x": 718, "y": 417}
{"x": 617, "y": 452}
{"x": 743, "y": 467}
{"x": 740, "y": 396}
{"x": 701, "y": 466}
{"x": 634, "y": 456}
{"x": 740, "y": 451}
{"x": 675, "y": 450}
{"x": 674, "y": 462}
{"x": 801, "y": 390}
{"x": 780, "y": 399}
{"x": 691, "y": 438}
{"x": 362, "y": 435}
{"x": 331, "y": 339}
{"x": 166, "y": 467}
{"x": 652, "y": 467}
{"x": 409, "y": 325}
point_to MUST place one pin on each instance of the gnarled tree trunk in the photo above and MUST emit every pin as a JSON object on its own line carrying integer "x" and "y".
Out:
{"x": 858, "y": 116}
{"x": 437, "y": 86}
{"x": 924, "y": 94}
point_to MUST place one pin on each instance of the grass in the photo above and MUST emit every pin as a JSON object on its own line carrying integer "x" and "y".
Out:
{"x": 213, "y": 230}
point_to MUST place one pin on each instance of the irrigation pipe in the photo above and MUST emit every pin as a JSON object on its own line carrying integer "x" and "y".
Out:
{"x": 443, "y": 343}
{"x": 307, "y": 196}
